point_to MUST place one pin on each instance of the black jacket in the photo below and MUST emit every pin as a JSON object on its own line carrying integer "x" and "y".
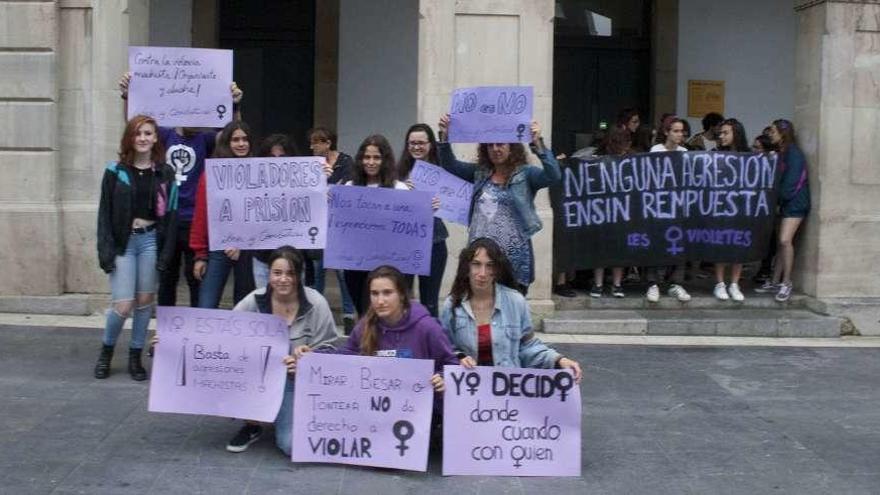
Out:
{"x": 115, "y": 214}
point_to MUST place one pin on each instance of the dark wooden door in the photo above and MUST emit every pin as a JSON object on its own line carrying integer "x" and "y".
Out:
{"x": 274, "y": 60}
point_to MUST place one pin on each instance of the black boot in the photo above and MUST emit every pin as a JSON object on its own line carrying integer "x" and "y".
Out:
{"x": 135, "y": 368}
{"x": 102, "y": 368}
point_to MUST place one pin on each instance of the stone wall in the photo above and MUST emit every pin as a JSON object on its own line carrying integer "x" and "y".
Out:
{"x": 30, "y": 221}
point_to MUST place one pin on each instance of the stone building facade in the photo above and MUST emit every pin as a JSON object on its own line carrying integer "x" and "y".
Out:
{"x": 60, "y": 119}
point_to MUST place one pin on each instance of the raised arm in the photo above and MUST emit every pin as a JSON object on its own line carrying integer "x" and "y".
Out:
{"x": 550, "y": 173}
{"x": 446, "y": 156}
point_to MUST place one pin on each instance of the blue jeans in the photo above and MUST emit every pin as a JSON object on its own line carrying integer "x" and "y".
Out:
{"x": 347, "y": 303}
{"x": 261, "y": 273}
{"x": 135, "y": 273}
{"x": 284, "y": 419}
{"x": 219, "y": 267}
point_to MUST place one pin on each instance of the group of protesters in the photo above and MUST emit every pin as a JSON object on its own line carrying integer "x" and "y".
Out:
{"x": 629, "y": 136}
{"x": 153, "y": 216}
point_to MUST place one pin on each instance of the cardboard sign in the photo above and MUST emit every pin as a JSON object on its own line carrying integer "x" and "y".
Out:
{"x": 373, "y": 226}
{"x": 454, "y": 193}
{"x": 265, "y": 203}
{"x": 511, "y": 422}
{"x": 181, "y": 87}
{"x": 217, "y": 362}
{"x": 367, "y": 411}
{"x": 491, "y": 114}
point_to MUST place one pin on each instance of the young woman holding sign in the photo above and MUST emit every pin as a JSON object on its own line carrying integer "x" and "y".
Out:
{"x": 212, "y": 268}
{"x": 373, "y": 167}
{"x": 731, "y": 137}
{"x": 309, "y": 322}
{"x": 503, "y": 204}
{"x": 794, "y": 205}
{"x": 488, "y": 321}
{"x": 670, "y": 135}
{"x": 394, "y": 326}
{"x": 420, "y": 144}
{"x": 137, "y": 218}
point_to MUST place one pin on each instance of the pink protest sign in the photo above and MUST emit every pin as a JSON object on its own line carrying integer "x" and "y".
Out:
{"x": 217, "y": 362}
{"x": 454, "y": 193}
{"x": 181, "y": 87}
{"x": 491, "y": 114}
{"x": 511, "y": 422}
{"x": 265, "y": 203}
{"x": 368, "y": 411}
{"x": 374, "y": 226}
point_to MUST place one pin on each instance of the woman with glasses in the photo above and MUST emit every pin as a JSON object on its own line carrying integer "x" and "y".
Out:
{"x": 420, "y": 144}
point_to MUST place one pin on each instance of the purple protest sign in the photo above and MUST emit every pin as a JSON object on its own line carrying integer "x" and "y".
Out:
{"x": 511, "y": 422}
{"x": 491, "y": 114}
{"x": 367, "y": 411}
{"x": 454, "y": 193}
{"x": 221, "y": 363}
{"x": 181, "y": 87}
{"x": 265, "y": 203}
{"x": 374, "y": 226}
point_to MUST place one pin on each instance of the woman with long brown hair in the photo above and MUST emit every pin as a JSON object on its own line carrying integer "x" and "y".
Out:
{"x": 794, "y": 205}
{"x": 394, "y": 326}
{"x": 503, "y": 204}
{"x": 136, "y": 229}
{"x": 488, "y": 321}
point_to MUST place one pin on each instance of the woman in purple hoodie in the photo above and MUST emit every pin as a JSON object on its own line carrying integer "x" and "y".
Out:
{"x": 394, "y": 326}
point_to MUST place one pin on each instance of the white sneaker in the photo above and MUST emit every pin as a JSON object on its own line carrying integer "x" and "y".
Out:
{"x": 679, "y": 293}
{"x": 720, "y": 292}
{"x": 735, "y": 293}
{"x": 653, "y": 294}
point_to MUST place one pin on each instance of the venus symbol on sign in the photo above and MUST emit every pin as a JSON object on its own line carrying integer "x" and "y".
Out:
{"x": 673, "y": 236}
{"x": 403, "y": 430}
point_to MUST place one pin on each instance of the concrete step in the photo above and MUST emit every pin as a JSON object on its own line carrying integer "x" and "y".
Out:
{"x": 728, "y": 322}
{"x": 635, "y": 300}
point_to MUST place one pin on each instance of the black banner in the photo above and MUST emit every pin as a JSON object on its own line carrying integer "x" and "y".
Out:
{"x": 652, "y": 209}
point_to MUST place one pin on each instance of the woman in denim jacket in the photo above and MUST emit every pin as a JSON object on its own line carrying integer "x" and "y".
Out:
{"x": 503, "y": 204}
{"x": 488, "y": 323}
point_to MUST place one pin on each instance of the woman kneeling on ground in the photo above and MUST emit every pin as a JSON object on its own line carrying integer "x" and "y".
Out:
{"x": 488, "y": 321}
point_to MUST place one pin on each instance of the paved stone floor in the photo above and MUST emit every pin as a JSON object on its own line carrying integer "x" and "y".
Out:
{"x": 657, "y": 419}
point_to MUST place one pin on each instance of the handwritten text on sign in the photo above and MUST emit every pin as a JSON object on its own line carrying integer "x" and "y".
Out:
{"x": 217, "y": 362}
{"x": 491, "y": 114}
{"x": 181, "y": 87}
{"x": 265, "y": 203}
{"x": 362, "y": 410}
{"x": 511, "y": 422}
{"x": 665, "y": 208}
{"x": 374, "y": 226}
{"x": 454, "y": 193}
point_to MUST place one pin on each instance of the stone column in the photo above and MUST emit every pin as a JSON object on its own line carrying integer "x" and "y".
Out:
{"x": 837, "y": 120}
{"x": 485, "y": 43}
{"x": 29, "y": 216}
{"x": 92, "y": 55}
